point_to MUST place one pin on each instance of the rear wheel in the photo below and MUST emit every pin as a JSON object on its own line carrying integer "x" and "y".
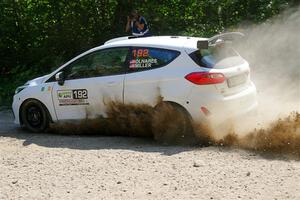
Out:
{"x": 172, "y": 125}
{"x": 34, "y": 116}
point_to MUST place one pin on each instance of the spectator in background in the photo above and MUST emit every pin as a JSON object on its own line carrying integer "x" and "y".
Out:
{"x": 137, "y": 24}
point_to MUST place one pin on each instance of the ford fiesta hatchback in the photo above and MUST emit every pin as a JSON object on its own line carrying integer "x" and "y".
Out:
{"x": 203, "y": 77}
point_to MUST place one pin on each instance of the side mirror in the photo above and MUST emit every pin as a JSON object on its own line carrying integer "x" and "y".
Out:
{"x": 60, "y": 78}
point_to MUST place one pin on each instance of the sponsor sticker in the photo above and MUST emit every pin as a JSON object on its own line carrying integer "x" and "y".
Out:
{"x": 72, "y": 97}
{"x": 64, "y": 94}
{"x": 49, "y": 88}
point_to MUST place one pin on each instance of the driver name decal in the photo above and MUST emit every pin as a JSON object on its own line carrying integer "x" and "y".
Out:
{"x": 72, "y": 97}
{"x": 142, "y": 63}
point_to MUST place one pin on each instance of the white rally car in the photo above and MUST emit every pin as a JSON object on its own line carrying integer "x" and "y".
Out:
{"x": 204, "y": 77}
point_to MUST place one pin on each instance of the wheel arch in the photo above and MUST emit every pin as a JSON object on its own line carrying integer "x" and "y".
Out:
{"x": 173, "y": 103}
{"x": 33, "y": 99}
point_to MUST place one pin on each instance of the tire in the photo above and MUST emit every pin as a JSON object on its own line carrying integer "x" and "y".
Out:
{"x": 171, "y": 124}
{"x": 34, "y": 116}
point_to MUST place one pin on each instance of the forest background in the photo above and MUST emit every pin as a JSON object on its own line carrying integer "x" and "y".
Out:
{"x": 37, "y": 36}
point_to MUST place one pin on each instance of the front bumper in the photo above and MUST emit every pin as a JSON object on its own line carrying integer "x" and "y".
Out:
{"x": 16, "y": 108}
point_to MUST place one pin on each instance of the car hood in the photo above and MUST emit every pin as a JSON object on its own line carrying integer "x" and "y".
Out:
{"x": 36, "y": 81}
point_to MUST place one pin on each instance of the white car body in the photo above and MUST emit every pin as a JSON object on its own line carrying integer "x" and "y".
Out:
{"x": 145, "y": 86}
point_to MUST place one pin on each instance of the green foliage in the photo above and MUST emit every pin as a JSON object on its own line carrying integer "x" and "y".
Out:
{"x": 37, "y": 36}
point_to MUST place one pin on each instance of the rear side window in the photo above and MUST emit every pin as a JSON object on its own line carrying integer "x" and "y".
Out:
{"x": 143, "y": 58}
{"x": 217, "y": 56}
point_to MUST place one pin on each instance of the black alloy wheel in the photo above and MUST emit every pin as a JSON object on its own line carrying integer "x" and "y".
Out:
{"x": 34, "y": 116}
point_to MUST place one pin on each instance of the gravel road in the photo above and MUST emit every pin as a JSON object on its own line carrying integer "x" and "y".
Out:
{"x": 49, "y": 166}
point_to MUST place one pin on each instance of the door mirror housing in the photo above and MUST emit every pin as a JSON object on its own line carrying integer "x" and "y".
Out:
{"x": 60, "y": 78}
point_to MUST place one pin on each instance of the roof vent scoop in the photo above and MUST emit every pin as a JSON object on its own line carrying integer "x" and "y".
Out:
{"x": 120, "y": 39}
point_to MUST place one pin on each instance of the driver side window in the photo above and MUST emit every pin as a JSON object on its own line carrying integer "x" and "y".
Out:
{"x": 101, "y": 63}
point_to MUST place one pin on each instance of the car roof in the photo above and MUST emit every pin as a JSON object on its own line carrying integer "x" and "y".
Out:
{"x": 173, "y": 42}
{"x": 180, "y": 43}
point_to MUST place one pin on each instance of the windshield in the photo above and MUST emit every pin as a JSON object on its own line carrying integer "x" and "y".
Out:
{"x": 217, "y": 56}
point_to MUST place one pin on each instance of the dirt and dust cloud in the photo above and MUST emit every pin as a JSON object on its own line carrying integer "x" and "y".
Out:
{"x": 165, "y": 123}
{"x": 282, "y": 137}
{"x": 121, "y": 120}
{"x": 273, "y": 52}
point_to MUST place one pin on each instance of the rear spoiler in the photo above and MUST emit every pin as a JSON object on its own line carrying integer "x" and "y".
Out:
{"x": 231, "y": 36}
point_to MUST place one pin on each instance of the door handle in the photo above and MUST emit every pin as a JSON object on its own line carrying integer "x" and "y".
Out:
{"x": 112, "y": 82}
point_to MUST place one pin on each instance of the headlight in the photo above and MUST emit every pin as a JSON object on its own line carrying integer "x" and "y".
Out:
{"x": 19, "y": 89}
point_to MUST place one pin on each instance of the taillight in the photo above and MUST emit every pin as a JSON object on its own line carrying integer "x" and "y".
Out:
{"x": 205, "y": 78}
{"x": 205, "y": 111}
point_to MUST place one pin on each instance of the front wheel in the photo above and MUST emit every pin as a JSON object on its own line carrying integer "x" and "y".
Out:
{"x": 34, "y": 116}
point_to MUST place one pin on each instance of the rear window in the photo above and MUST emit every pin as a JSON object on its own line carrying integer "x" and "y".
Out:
{"x": 217, "y": 56}
{"x": 143, "y": 58}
